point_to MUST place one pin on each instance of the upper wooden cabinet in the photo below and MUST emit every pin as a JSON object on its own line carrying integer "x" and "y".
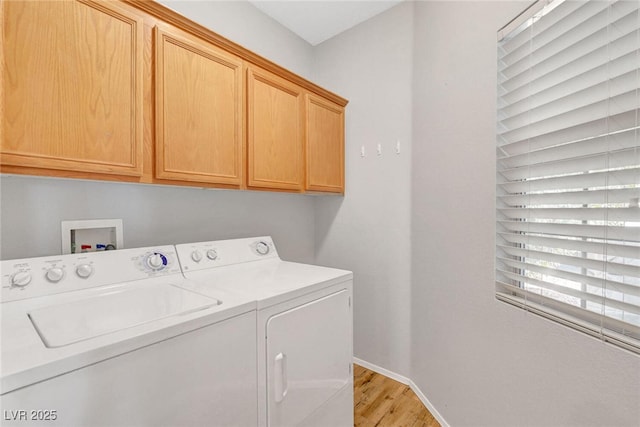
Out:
{"x": 324, "y": 145}
{"x": 72, "y": 83}
{"x": 199, "y": 95}
{"x": 275, "y": 109}
{"x": 130, "y": 90}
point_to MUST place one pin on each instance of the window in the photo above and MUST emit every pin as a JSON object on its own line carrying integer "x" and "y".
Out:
{"x": 568, "y": 166}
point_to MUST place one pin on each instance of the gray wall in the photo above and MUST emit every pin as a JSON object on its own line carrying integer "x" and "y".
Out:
{"x": 369, "y": 230}
{"x": 32, "y": 208}
{"x": 242, "y": 23}
{"x": 479, "y": 361}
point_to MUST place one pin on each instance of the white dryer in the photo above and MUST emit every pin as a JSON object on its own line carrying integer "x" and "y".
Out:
{"x": 304, "y": 324}
{"x": 117, "y": 339}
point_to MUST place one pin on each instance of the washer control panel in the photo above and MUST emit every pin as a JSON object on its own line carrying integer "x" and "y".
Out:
{"x": 218, "y": 253}
{"x": 34, "y": 277}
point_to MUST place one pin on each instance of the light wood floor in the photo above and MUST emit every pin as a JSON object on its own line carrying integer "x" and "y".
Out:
{"x": 382, "y": 402}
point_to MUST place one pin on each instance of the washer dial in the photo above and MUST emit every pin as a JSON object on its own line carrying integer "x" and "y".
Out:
{"x": 156, "y": 261}
{"x": 262, "y": 248}
{"x": 54, "y": 274}
{"x": 21, "y": 279}
{"x": 84, "y": 270}
{"x": 212, "y": 254}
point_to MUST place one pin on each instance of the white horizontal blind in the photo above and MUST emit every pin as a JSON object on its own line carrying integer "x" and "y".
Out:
{"x": 568, "y": 166}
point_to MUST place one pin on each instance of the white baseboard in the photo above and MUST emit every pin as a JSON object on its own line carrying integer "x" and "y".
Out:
{"x": 428, "y": 404}
{"x": 406, "y": 381}
{"x": 382, "y": 371}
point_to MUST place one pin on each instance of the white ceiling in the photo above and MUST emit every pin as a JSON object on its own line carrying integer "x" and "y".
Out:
{"x": 319, "y": 20}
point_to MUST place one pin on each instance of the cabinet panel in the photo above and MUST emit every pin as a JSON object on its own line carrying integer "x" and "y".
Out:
{"x": 275, "y": 132}
{"x": 324, "y": 146}
{"x": 198, "y": 110}
{"x": 72, "y": 86}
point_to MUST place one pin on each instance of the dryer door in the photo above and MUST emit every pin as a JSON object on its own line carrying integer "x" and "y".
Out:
{"x": 308, "y": 357}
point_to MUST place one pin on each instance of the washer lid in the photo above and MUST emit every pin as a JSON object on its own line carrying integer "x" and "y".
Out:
{"x": 67, "y": 323}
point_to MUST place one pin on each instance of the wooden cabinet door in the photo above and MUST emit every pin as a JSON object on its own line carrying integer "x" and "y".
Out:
{"x": 72, "y": 83}
{"x": 275, "y": 132}
{"x": 199, "y": 96}
{"x": 324, "y": 146}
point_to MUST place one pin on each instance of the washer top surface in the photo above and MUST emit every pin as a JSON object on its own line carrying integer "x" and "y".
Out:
{"x": 240, "y": 268}
{"x": 51, "y": 327}
{"x": 70, "y": 322}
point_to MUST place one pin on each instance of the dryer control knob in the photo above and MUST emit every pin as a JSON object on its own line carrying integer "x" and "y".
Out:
{"x": 212, "y": 254}
{"x": 54, "y": 274}
{"x": 196, "y": 255}
{"x": 262, "y": 248}
{"x": 21, "y": 279}
{"x": 84, "y": 270}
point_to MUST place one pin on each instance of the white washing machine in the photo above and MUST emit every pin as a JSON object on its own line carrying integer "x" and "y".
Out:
{"x": 119, "y": 338}
{"x": 304, "y": 324}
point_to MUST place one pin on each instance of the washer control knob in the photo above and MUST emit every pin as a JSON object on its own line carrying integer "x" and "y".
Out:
{"x": 156, "y": 261}
{"x": 21, "y": 279}
{"x": 262, "y": 248}
{"x": 54, "y": 274}
{"x": 84, "y": 270}
{"x": 196, "y": 255}
{"x": 212, "y": 254}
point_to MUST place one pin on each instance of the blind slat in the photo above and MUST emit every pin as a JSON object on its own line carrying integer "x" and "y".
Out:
{"x": 631, "y": 308}
{"x": 627, "y": 102}
{"x": 539, "y": 38}
{"x": 597, "y": 286}
{"x": 572, "y": 198}
{"x": 576, "y": 214}
{"x": 579, "y": 262}
{"x": 609, "y": 145}
{"x": 564, "y": 103}
{"x": 522, "y": 35}
{"x": 568, "y": 83}
{"x": 588, "y": 35}
{"x": 595, "y": 180}
{"x": 623, "y": 234}
{"x": 627, "y": 158}
{"x": 523, "y": 86}
{"x": 602, "y": 126}
{"x": 589, "y": 246}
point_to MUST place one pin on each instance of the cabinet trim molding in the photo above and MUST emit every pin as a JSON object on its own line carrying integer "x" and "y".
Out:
{"x": 167, "y": 15}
